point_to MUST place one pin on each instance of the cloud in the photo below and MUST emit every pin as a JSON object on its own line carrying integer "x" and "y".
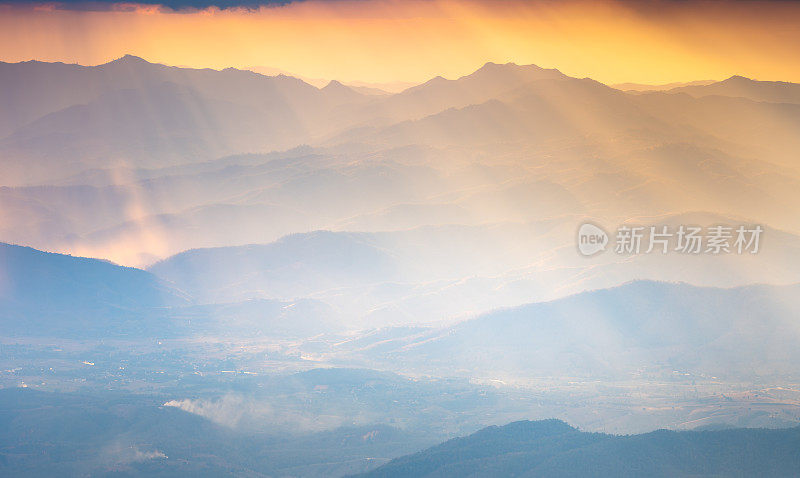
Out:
{"x": 612, "y": 41}
{"x": 175, "y": 5}
{"x": 179, "y": 5}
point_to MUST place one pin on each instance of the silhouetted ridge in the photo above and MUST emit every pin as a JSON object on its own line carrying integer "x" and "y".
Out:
{"x": 527, "y": 429}
{"x": 491, "y": 68}
{"x": 58, "y": 295}
{"x": 551, "y": 448}
{"x": 334, "y": 84}
{"x": 128, "y": 60}
{"x": 738, "y": 78}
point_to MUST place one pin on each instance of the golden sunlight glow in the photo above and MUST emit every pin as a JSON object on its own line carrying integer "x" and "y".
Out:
{"x": 382, "y": 41}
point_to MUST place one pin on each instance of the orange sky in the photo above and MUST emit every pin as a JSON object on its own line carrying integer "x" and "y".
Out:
{"x": 384, "y": 41}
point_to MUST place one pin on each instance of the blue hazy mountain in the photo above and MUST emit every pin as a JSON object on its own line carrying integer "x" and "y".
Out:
{"x": 643, "y": 328}
{"x": 295, "y": 266}
{"x": 435, "y": 273}
{"x": 59, "y": 296}
{"x": 287, "y": 226}
{"x": 640, "y": 329}
{"x": 551, "y": 448}
{"x": 45, "y": 294}
{"x": 113, "y": 434}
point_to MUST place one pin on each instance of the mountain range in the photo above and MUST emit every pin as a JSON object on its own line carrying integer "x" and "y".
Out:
{"x": 248, "y": 199}
{"x": 739, "y": 86}
{"x": 45, "y": 294}
{"x": 170, "y": 157}
{"x": 639, "y": 330}
{"x": 208, "y": 272}
{"x": 551, "y": 448}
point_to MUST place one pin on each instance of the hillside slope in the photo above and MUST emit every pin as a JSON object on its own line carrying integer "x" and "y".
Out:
{"x": 551, "y": 448}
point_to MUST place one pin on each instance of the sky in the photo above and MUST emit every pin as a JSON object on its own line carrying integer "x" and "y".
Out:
{"x": 415, "y": 40}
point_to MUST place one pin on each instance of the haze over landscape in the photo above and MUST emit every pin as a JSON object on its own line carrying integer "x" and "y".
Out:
{"x": 307, "y": 270}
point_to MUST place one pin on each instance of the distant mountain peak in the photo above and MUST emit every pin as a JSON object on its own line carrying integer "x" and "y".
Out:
{"x": 551, "y": 426}
{"x": 491, "y": 69}
{"x": 492, "y": 65}
{"x": 128, "y": 59}
{"x": 335, "y": 85}
{"x": 511, "y": 450}
{"x": 739, "y": 78}
{"x": 339, "y": 89}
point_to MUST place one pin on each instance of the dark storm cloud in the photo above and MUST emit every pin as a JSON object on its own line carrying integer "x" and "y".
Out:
{"x": 100, "y": 5}
{"x": 179, "y": 5}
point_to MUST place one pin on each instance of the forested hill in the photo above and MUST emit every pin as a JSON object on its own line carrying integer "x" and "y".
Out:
{"x": 551, "y": 448}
